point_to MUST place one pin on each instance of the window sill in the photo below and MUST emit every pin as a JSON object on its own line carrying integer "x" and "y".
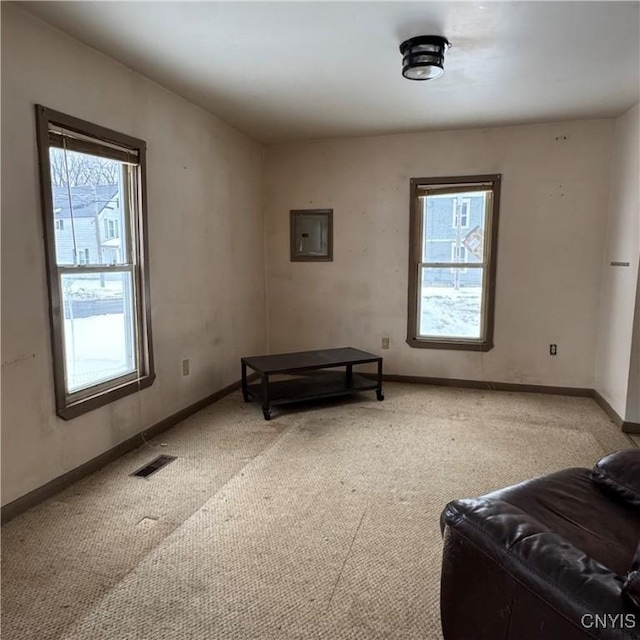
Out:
{"x": 69, "y": 410}
{"x": 454, "y": 345}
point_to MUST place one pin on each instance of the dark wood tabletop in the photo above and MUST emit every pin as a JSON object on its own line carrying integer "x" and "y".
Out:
{"x": 307, "y": 360}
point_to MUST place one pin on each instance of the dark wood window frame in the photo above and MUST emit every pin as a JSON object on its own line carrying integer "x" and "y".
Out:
{"x": 450, "y": 185}
{"x": 93, "y": 139}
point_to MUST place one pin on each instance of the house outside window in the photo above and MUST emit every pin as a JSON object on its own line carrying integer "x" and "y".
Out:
{"x": 452, "y": 267}
{"x": 94, "y": 180}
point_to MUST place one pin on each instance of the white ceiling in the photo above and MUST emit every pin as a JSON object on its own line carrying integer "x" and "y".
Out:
{"x": 300, "y": 70}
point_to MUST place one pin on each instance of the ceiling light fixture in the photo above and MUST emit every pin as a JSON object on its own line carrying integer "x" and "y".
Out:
{"x": 423, "y": 57}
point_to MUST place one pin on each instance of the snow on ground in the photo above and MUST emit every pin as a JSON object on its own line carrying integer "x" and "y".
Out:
{"x": 83, "y": 287}
{"x": 95, "y": 349}
{"x": 448, "y": 312}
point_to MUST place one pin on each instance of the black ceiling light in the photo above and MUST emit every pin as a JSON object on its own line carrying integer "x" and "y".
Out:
{"x": 423, "y": 57}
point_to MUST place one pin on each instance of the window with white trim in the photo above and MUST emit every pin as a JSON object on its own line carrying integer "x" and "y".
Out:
{"x": 84, "y": 256}
{"x": 461, "y": 212}
{"x": 452, "y": 271}
{"x": 459, "y": 254}
{"x": 98, "y": 281}
{"x": 110, "y": 228}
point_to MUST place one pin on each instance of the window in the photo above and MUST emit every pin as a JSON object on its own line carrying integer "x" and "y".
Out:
{"x": 110, "y": 229}
{"x": 458, "y": 254}
{"x": 452, "y": 269}
{"x": 59, "y": 225}
{"x": 99, "y": 308}
{"x": 461, "y": 212}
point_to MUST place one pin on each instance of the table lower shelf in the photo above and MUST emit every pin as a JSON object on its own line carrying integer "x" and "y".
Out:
{"x": 321, "y": 385}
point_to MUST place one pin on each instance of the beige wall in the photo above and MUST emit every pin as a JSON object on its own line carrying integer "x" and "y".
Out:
{"x": 618, "y": 294}
{"x": 551, "y": 239}
{"x": 206, "y": 238}
{"x": 633, "y": 392}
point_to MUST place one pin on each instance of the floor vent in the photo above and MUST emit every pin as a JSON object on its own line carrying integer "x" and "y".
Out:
{"x": 153, "y": 466}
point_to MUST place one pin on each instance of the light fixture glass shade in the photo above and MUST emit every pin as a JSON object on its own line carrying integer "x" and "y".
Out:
{"x": 423, "y": 73}
{"x": 423, "y": 57}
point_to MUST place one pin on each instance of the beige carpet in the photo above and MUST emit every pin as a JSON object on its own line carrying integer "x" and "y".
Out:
{"x": 323, "y": 523}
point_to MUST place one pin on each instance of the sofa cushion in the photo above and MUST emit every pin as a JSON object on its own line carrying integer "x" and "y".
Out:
{"x": 619, "y": 475}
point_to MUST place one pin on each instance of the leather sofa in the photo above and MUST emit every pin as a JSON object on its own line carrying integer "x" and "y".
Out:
{"x": 553, "y": 558}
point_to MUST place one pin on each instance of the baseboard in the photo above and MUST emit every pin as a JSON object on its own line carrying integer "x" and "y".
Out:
{"x": 12, "y": 509}
{"x": 631, "y": 427}
{"x": 626, "y": 426}
{"x": 493, "y": 386}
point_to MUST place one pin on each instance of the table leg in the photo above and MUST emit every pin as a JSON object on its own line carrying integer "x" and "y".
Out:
{"x": 349, "y": 375}
{"x": 266, "y": 409}
{"x": 245, "y": 386}
{"x": 379, "y": 394}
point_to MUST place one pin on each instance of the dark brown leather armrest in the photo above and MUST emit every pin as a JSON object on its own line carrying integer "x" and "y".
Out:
{"x": 618, "y": 474}
{"x": 570, "y": 582}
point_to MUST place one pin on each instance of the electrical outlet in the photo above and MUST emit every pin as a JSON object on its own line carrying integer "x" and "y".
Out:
{"x": 553, "y": 349}
{"x": 185, "y": 367}
{"x": 385, "y": 343}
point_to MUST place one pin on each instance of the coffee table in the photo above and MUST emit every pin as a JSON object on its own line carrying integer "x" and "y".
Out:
{"x": 311, "y": 382}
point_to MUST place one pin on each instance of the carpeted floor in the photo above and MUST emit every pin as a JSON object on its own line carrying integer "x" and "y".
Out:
{"x": 323, "y": 523}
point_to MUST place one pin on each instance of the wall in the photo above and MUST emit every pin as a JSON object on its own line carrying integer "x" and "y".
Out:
{"x": 618, "y": 293}
{"x": 206, "y": 238}
{"x": 551, "y": 234}
{"x": 633, "y": 392}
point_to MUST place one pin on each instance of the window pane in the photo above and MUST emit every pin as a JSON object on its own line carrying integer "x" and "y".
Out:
{"x": 453, "y": 219}
{"x": 450, "y": 303}
{"x": 99, "y": 323}
{"x": 88, "y": 194}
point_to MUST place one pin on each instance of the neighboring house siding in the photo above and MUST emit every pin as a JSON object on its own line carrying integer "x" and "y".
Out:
{"x": 64, "y": 242}
{"x": 86, "y": 237}
{"x": 84, "y": 229}
{"x": 111, "y": 233}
